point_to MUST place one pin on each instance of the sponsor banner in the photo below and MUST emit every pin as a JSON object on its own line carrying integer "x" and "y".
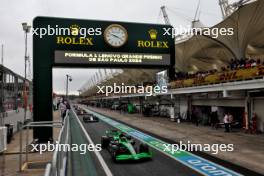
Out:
{"x": 88, "y": 57}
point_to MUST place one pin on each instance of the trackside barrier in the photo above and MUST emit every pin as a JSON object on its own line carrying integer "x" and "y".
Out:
{"x": 32, "y": 125}
{"x": 84, "y": 137}
{"x": 58, "y": 166}
{"x": 67, "y": 163}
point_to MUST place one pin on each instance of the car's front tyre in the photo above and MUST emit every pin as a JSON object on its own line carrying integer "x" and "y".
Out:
{"x": 105, "y": 142}
{"x": 143, "y": 148}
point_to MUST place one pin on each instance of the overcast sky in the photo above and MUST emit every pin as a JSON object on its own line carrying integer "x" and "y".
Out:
{"x": 14, "y": 12}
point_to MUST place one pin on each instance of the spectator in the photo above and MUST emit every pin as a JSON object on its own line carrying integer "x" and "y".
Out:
{"x": 213, "y": 119}
{"x": 226, "y": 123}
{"x": 247, "y": 63}
{"x": 241, "y": 63}
{"x": 194, "y": 117}
{"x": 223, "y": 69}
{"x": 233, "y": 64}
{"x": 63, "y": 109}
{"x": 230, "y": 120}
{"x": 253, "y": 63}
{"x": 237, "y": 63}
{"x": 68, "y": 106}
{"x": 58, "y": 105}
{"x": 258, "y": 62}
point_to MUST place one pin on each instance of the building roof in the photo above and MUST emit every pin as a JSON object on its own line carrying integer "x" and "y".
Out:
{"x": 209, "y": 53}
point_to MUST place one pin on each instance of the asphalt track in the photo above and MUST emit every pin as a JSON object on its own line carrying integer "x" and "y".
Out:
{"x": 160, "y": 165}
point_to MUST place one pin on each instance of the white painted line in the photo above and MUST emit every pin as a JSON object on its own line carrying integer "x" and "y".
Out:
{"x": 98, "y": 154}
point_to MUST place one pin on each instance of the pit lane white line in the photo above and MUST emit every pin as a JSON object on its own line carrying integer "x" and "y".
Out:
{"x": 98, "y": 155}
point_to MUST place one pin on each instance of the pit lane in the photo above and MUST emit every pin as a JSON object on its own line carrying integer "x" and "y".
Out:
{"x": 159, "y": 165}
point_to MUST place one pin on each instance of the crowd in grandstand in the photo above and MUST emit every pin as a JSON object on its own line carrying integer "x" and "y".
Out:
{"x": 234, "y": 65}
{"x": 184, "y": 75}
{"x": 244, "y": 63}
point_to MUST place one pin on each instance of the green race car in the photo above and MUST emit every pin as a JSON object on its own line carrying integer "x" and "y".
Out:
{"x": 122, "y": 147}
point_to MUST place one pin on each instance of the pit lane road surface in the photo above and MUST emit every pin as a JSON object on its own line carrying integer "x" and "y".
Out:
{"x": 189, "y": 160}
{"x": 159, "y": 165}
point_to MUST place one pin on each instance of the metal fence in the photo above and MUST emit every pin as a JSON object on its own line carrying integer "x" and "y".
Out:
{"x": 29, "y": 125}
{"x": 58, "y": 166}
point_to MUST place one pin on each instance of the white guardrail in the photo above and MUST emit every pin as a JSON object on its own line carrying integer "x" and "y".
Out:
{"x": 58, "y": 166}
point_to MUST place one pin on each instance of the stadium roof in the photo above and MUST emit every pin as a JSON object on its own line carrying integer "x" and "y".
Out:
{"x": 211, "y": 53}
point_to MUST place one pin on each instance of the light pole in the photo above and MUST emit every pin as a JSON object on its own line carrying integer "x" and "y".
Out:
{"x": 26, "y": 29}
{"x": 68, "y": 78}
{"x": 2, "y": 99}
{"x": 2, "y": 109}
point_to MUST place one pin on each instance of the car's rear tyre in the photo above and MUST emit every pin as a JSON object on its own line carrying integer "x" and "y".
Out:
{"x": 143, "y": 148}
{"x": 113, "y": 155}
{"x": 105, "y": 142}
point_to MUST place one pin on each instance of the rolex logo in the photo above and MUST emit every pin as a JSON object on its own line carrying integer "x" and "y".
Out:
{"x": 74, "y": 29}
{"x": 153, "y": 34}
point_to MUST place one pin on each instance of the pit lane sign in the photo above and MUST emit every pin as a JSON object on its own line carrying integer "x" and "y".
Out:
{"x": 79, "y": 43}
{"x": 104, "y": 43}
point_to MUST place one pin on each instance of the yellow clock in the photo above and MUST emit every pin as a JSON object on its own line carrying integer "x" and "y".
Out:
{"x": 115, "y": 35}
